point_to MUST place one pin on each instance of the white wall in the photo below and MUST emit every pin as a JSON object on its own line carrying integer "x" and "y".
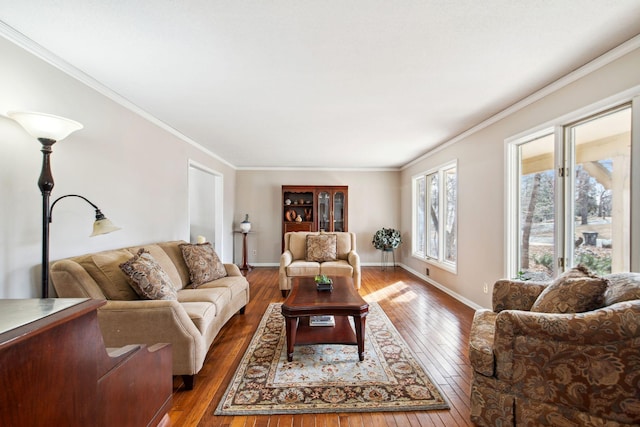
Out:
{"x": 136, "y": 172}
{"x": 373, "y": 203}
{"x": 481, "y": 175}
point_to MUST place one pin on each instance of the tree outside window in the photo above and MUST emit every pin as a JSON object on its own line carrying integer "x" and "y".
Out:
{"x": 435, "y": 216}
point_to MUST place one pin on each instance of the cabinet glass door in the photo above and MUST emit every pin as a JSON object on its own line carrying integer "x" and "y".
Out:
{"x": 338, "y": 211}
{"x": 324, "y": 212}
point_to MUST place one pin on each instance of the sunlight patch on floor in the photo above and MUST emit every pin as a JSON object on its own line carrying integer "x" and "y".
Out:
{"x": 397, "y": 292}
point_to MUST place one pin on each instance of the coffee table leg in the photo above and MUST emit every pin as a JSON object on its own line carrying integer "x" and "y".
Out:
{"x": 359, "y": 322}
{"x": 292, "y": 327}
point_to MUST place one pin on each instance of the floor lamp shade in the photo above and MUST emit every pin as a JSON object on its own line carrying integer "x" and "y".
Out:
{"x": 45, "y": 126}
{"x": 103, "y": 226}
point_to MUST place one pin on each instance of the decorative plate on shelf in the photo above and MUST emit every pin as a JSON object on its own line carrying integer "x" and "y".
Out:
{"x": 291, "y": 215}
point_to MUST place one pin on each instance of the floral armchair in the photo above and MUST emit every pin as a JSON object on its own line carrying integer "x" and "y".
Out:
{"x": 565, "y": 353}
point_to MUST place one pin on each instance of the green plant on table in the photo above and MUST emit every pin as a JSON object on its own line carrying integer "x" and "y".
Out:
{"x": 322, "y": 278}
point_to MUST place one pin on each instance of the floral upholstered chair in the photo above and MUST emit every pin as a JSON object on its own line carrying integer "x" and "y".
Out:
{"x": 565, "y": 353}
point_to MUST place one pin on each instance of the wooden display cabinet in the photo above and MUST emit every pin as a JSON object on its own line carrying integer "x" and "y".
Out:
{"x": 314, "y": 208}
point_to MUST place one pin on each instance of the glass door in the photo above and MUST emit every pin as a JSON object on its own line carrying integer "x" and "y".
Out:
{"x": 599, "y": 150}
{"x": 536, "y": 209}
{"x": 338, "y": 211}
{"x": 324, "y": 211}
{"x": 573, "y": 198}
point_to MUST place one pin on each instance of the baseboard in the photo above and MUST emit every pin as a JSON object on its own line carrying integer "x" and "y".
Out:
{"x": 427, "y": 279}
{"x": 443, "y": 288}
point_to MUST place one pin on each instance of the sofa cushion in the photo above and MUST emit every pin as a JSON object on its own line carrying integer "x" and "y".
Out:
{"x": 622, "y": 287}
{"x": 218, "y": 296}
{"x": 174, "y": 252}
{"x": 104, "y": 268}
{"x": 203, "y": 263}
{"x": 147, "y": 277}
{"x": 344, "y": 245}
{"x": 575, "y": 291}
{"x": 235, "y": 284}
{"x": 298, "y": 245}
{"x": 336, "y": 268}
{"x": 321, "y": 247}
{"x": 201, "y": 313}
{"x": 303, "y": 268}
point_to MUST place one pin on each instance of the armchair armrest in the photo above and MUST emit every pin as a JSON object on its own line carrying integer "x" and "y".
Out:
{"x": 481, "y": 341}
{"x": 515, "y": 294}
{"x": 285, "y": 259}
{"x": 354, "y": 259}
{"x": 283, "y": 281}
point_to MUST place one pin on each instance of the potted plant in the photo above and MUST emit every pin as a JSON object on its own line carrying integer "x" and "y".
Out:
{"x": 386, "y": 239}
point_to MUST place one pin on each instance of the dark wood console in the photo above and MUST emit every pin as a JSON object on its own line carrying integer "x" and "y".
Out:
{"x": 56, "y": 371}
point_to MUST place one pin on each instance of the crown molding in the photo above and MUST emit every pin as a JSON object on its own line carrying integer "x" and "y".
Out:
{"x": 604, "y": 59}
{"x": 316, "y": 169}
{"x": 39, "y": 51}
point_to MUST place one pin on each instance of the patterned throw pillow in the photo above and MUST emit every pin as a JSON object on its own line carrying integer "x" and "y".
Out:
{"x": 322, "y": 247}
{"x": 203, "y": 263}
{"x": 148, "y": 278}
{"x": 575, "y": 291}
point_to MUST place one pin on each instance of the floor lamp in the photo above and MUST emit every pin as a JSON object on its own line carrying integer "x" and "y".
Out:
{"x": 48, "y": 129}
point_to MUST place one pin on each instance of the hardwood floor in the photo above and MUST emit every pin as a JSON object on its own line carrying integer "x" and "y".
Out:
{"x": 434, "y": 325}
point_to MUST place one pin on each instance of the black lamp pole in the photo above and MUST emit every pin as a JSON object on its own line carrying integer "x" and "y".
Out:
{"x": 45, "y": 183}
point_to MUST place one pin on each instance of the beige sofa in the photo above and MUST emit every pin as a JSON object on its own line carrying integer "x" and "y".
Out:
{"x": 534, "y": 368}
{"x": 294, "y": 263}
{"x": 190, "y": 324}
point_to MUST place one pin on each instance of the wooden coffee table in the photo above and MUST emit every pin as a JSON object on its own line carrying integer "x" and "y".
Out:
{"x": 343, "y": 301}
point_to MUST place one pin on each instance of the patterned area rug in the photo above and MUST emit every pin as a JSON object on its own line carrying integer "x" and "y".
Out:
{"x": 329, "y": 378}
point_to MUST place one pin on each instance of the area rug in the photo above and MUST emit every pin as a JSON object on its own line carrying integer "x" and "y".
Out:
{"x": 329, "y": 377}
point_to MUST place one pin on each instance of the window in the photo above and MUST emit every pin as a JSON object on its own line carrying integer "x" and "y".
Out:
{"x": 435, "y": 234}
{"x": 571, "y": 202}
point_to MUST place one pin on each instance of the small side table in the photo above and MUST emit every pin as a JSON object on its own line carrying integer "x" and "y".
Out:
{"x": 245, "y": 265}
{"x": 385, "y": 257}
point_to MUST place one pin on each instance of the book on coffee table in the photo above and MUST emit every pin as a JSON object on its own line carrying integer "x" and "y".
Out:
{"x": 322, "y": 321}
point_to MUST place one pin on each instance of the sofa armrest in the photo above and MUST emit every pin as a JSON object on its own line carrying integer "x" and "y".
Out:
{"x": 150, "y": 322}
{"x": 146, "y": 322}
{"x": 232, "y": 270}
{"x": 515, "y": 294}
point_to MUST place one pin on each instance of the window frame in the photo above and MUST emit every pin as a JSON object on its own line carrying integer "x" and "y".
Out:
{"x": 423, "y": 253}
{"x": 558, "y": 128}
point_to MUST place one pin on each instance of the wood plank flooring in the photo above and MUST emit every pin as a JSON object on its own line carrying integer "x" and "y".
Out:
{"x": 434, "y": 325}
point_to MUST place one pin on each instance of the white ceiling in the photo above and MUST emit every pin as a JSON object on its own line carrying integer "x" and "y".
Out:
{"x": 323, "y": 83}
